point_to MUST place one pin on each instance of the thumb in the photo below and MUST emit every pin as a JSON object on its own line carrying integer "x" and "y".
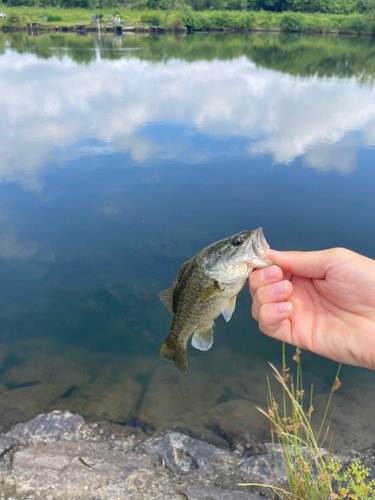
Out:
{"x": 308, "y": 264}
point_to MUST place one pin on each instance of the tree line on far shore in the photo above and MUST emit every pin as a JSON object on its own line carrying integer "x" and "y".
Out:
{"x": 305, "y": 6}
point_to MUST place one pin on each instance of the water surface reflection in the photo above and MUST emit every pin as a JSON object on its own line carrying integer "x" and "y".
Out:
{"x": 119, "y": 159}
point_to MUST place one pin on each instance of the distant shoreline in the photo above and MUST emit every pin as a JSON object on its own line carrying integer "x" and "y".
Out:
{"x": 86, "y": 29}
{"x": 82, "y": 21}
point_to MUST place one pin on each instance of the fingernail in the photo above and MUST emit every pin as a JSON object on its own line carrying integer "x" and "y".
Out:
{"x": 283, "y": 307}
{"x": 270, "y": 273}
{"x": 280, "y": 287}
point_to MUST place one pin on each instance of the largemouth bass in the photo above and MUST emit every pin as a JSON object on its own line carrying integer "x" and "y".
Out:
{"x": 207, "y": 286}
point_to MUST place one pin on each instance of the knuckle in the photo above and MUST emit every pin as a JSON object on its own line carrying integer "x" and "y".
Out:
{"x": 340, "y": 253}
{"x": 265, "y": 294}
{"x": 264, "y": 316}
{"x": 254, "y": 281}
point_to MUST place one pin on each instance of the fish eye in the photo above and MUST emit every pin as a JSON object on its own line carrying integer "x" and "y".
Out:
{"x": 237, "y": 241}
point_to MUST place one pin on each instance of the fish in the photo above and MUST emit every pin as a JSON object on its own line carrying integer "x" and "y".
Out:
{"x": 207, "y": 286}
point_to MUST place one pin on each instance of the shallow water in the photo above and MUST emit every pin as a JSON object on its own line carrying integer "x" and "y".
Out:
{"x": 120, "y": 158}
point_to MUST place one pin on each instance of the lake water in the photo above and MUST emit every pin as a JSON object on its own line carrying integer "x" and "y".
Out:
{"x": 120, "y": 158}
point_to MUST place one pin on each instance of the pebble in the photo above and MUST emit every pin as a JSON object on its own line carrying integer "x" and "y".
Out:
{"x": 137, "y": 482}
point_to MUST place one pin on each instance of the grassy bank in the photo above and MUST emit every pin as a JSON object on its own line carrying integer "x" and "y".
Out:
{"x": 199, "y": 21}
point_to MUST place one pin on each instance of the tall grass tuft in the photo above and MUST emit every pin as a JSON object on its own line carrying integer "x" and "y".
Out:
{"x": 303, "y": 458}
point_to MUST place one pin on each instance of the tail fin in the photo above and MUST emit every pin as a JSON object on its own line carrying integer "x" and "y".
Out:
{"x": 178, "y": 357}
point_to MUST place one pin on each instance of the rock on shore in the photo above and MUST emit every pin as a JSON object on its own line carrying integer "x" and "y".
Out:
{"x": 59, "y": 456}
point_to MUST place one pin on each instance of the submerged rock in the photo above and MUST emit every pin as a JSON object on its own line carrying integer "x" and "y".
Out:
{"x": 10, "y": 415}
{"x": 115, "y": 402}
{"x": 4, "y": 352}
{"x": 31, "y": 399}
{"x": 178, "y": 402}
{"x": 240, "y": 424}
{"x": 48, "y": 369}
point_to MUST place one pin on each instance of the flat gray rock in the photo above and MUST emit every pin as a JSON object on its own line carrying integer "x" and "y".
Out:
{"x": 6, "y": 444}
{"x": 183, "y": 455}
{"x": 205, "y": 493}
{"x": 72, "y": 466}
{"x": 48, "y": 428}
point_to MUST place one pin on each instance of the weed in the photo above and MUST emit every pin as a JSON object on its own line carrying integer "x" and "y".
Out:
{"x": 310, "y": 471}
{"x": 13, "y": 18}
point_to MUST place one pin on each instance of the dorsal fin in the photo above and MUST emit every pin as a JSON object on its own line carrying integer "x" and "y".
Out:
{"x": 181, "y": 270}
{"x": 166, "y": 296}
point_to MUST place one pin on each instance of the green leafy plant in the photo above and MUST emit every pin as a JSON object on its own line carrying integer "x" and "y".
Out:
{"x": 54, "y": 19}
{"x": 294, "y": 22}
{"x": 356, "y": 23}
{"x": 153, "y": 18}
{"x": 352, "y": 482}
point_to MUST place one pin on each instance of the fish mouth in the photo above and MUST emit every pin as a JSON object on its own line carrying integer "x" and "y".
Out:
{"x": 257, "y": 248}
{"x": 260, "y": 240}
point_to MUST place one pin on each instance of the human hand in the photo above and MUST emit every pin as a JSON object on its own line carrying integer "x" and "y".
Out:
{"x": 320, "y": 301}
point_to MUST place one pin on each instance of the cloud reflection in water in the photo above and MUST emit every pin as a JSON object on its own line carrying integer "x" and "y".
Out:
{"x": 56, "y": 111}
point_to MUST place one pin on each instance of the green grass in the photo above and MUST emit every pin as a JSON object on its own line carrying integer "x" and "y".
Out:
{"x": 195, "y": 21}
{"x": 311, "y": 473}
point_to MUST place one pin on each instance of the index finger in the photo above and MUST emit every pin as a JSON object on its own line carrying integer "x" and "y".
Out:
{"x": 261, "y": 277}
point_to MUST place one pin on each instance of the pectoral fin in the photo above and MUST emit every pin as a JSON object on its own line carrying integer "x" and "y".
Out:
{"x": 166, "y": 296}
{"x": 210, "y": 292}
{"x": 229, "y": 309}
{"x": 203, "y": 339}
